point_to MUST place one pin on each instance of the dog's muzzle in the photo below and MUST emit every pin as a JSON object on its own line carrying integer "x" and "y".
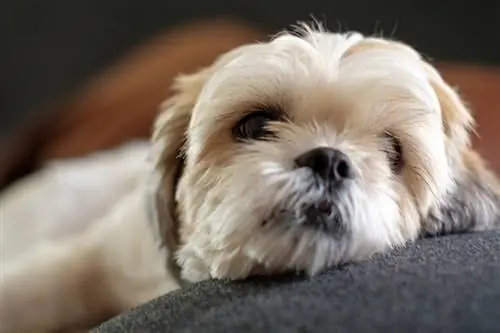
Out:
{"x": 331, "y": 169}
{"x": 320, "y": 206}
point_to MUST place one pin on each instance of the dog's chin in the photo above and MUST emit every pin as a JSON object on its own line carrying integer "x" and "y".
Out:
{"x": 323, "y": 217}
{"x": 323, "y": 212}
{"x": 293, "y": 246}
{"x": 302, "y": 235}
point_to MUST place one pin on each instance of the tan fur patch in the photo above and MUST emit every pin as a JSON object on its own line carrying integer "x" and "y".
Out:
{"x": 375, "y": 43}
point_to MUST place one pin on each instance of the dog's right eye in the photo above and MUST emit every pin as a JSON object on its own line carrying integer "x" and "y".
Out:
{"x": 253, "y": 126}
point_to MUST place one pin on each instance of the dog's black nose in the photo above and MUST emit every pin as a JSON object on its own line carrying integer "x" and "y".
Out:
{"x": 330, "y": 164}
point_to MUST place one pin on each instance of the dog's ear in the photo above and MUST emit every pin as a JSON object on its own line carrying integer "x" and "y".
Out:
{"x": 167, "y": 157}
{"x": 473, "y": 199}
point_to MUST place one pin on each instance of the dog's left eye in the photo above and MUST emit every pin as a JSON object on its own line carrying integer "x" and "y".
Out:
{"x": 253, "y": 126}
{"x": 395, "y": 153}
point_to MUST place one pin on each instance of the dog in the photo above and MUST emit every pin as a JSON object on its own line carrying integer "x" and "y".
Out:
{"x": 308, "y": 151}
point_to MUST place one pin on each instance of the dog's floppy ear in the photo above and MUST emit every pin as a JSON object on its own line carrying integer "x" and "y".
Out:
{"x": 167, "y": 141}
{"x": 473, "y": 199}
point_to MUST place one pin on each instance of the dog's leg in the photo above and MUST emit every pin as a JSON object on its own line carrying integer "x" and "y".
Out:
{"x": 80, "y": 281}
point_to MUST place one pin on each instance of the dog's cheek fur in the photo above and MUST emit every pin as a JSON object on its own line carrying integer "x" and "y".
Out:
{"x": 214, "y": 228}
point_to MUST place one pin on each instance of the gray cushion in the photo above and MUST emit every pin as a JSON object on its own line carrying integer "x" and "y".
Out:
{"x": 447, "y": 284}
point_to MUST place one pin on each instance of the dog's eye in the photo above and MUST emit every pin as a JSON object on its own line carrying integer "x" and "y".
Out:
{"x": 253, "y": 126}
{"x": 394, "y": 153}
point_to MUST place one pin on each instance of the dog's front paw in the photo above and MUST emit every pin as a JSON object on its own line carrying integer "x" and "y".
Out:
{"x": 193, "y": 269}
{"x": 440, "y": 223}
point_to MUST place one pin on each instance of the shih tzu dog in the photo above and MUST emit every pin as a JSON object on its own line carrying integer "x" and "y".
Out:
{"x": 308, "y": 151}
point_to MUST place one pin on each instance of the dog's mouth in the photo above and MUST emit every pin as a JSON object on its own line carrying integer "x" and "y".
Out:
{"x": 323, "y": 216}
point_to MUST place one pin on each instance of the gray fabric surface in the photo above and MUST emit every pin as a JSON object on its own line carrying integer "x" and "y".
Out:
{"x": 448, "y": 284}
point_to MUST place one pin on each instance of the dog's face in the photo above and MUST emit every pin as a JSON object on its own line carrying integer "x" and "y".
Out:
{"x": 308, "y": 151}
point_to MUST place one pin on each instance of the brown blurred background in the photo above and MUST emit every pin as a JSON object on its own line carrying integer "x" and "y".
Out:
{"x": 80, "y": 77}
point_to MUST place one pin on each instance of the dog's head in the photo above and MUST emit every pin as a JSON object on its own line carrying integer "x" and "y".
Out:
{"x": 307, "y": 151}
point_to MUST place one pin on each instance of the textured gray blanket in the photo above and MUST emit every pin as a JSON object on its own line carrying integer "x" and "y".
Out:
{"x": 448, "y": 284}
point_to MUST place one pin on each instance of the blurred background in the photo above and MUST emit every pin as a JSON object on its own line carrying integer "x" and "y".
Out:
{"x": 80, "y": 76}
